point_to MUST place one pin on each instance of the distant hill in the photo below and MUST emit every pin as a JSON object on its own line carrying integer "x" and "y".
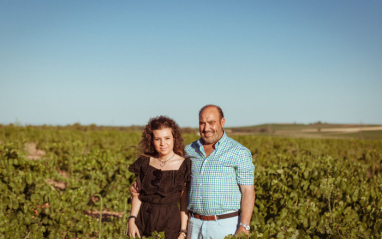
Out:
{"x": 316, "y": 130}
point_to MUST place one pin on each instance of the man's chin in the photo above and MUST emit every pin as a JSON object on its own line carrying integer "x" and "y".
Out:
{"x": 208, "y": 140}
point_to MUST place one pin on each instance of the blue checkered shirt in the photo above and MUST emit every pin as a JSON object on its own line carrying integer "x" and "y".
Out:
{"x": 215, "y": 179}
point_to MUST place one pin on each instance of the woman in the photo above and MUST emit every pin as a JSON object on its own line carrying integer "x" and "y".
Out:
{"x": 163, "y": 175}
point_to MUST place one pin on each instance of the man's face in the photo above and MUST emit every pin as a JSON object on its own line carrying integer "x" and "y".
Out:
{"x": 210, "y": 125}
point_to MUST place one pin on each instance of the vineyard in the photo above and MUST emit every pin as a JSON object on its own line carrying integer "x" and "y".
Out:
{"x": 74, "y": 183}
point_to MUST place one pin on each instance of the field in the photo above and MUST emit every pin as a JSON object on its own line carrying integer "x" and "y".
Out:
{"x": 73, "y": 182}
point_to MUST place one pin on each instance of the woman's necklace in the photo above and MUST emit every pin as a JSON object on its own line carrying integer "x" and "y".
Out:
{"x": 163, "y": 162}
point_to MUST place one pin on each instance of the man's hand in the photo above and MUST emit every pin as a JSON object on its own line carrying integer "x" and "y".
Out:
{"x": 242, "y": 230}
{"x": 134, "y": 190}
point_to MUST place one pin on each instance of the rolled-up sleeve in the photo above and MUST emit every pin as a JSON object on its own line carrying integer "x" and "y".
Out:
{"x": 245, "y": 168}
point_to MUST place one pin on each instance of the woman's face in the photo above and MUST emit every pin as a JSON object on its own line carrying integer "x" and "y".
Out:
{"x": 163, "y": 141}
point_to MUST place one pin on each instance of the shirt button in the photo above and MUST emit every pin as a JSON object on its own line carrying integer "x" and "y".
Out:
{"x": 200, "y": 184}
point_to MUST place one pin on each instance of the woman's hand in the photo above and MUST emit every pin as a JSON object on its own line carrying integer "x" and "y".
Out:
{"x": 133, "y": 229}
{"x": 181, "y": 236}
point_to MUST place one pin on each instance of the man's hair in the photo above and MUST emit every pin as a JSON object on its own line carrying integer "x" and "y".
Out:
{"x": 221, "y": 114}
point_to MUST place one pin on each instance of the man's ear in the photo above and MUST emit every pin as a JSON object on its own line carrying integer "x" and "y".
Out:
{"x": 222, "y": 122}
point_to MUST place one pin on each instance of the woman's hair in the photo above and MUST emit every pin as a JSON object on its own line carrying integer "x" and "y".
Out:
{"x": 146, "y": 144}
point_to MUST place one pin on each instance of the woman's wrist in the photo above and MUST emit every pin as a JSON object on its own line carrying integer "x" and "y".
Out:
{"x": 183, "y": 232}
{"x": 131, "y": 217}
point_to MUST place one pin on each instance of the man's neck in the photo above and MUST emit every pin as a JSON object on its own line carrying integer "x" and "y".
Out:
{"x": 208, "y": 148}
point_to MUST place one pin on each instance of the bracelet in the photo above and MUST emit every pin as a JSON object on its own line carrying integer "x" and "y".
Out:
{"x": 183, "y": 232}
{"x": 131, "y": 216}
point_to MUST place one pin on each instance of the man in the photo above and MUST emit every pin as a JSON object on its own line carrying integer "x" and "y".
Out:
{"x": 222, "y": 180}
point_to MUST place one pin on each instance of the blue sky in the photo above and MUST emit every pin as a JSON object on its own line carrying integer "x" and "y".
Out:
{"x": 122, "y": 62}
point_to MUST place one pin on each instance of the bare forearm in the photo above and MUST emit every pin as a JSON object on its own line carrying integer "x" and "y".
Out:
{"x": 132, "y": 227}
{"x": 183, "y": 220}
{"x": 183, "y": 210}
{"x": 247, "y": 203}
{"x": 135, "y": 206}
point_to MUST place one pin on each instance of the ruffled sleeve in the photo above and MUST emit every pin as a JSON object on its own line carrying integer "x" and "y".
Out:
{"x": 184, "y": 175}
{"x": 187, "y": 175}
{"x": 136, "y": 166}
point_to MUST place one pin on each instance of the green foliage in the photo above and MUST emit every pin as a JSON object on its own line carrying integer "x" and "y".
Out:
{"x": 305, "y": 188}
{"x": 308, "y": 188}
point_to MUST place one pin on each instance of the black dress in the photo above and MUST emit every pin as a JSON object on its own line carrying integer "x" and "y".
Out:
{"x": 160, "y": 194}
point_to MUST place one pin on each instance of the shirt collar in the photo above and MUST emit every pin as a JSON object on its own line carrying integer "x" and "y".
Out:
{"x": 222, "y": 139}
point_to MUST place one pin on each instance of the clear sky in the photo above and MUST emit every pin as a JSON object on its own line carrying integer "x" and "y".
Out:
{"x": 121, "y": 62}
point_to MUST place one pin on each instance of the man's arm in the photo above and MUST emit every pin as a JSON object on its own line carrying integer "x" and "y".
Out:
{"x": 134, "y": 190}
{"x": 247, "y": 205}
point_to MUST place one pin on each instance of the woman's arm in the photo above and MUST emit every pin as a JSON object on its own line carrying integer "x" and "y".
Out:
{"x": 135, "y": 206}
{"x": 183, "y": 212}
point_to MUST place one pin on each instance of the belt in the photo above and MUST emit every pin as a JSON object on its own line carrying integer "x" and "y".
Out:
{"x": 215, "y": 217}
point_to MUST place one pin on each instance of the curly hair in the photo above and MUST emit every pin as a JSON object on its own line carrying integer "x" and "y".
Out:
{"x": 146, "y": 144}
